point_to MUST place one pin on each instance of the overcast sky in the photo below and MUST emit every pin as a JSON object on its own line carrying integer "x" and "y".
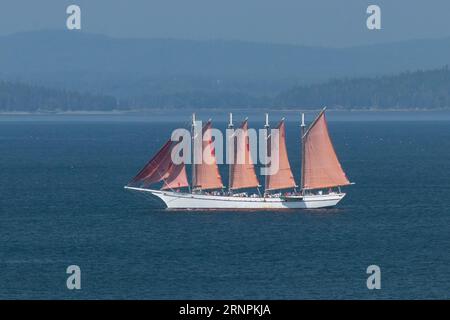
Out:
{"x": 336, "y": 23}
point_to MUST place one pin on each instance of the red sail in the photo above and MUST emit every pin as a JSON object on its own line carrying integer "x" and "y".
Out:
{"x": 207, "y": 174}
{"x": 283, "y": 178}
{"x": 242, "y": 174}
{"x": 161, "y": 168}
{"x": 321, "y": 168}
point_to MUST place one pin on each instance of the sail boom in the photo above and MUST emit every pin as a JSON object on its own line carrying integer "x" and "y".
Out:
{"x": 329, "y": 186}
{"x": 246, "y": 187}
{"x": 274, "y": 189}
{"x": 207, "y": 188}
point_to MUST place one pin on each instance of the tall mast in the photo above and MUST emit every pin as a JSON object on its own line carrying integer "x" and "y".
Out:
{"x": 193, "y": 151}
{"x": 302, "y": 126}
{"x": 267, "y": 127}
{"x": 230, "y": 165}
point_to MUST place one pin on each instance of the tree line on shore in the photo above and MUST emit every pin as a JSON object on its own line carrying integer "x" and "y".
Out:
{"x": 409, "y": 90}
{"x": 20, "y": 97}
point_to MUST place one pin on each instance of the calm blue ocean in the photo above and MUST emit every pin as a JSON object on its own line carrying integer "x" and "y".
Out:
{"x": 62, "y": 202}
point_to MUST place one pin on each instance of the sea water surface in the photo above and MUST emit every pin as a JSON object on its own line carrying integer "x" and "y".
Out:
{"x": 62, "y": 203}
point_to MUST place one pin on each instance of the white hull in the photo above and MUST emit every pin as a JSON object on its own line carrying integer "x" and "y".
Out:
{"x": 180, "y": 200}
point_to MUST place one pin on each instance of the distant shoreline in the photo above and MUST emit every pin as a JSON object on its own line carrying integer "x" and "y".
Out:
{"x": 167, "y": 110}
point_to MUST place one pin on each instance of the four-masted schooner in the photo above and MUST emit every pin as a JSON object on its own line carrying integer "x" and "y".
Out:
{"x": 321, "y": 174}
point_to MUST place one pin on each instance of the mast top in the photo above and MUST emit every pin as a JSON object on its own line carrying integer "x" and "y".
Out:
{"x": 266, "y": 125}
{"x": 314, "y": 122}
{"x": 230, "y": 124}
{"x": 303, "y": 120}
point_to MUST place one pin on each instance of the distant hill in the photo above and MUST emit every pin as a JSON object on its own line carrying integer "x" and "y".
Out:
{"x": 143, "y": 70}
{"x": 16, "y": 97}
{"x": 408, "y": 90}
{"x": 168, "y": 73}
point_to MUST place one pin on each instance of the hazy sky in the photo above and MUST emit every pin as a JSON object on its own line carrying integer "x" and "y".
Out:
{"x": 310, "y": 22}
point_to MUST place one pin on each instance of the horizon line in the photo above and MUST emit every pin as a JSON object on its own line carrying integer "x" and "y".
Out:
{"x": 230, "y": 40}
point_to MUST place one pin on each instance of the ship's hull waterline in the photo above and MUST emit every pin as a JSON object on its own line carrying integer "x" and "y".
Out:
{"x": 180, "y": 200}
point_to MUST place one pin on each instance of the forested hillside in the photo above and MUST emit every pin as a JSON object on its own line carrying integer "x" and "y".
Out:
{"x": 19, "y": 97}
{"x": 408, "y": 90}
